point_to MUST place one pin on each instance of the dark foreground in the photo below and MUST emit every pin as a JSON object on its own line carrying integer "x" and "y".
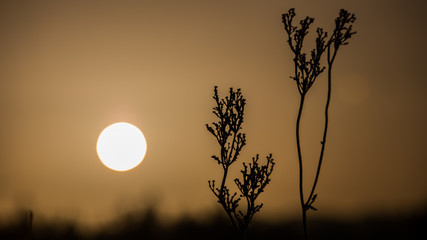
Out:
{"x": 147, "y": 226}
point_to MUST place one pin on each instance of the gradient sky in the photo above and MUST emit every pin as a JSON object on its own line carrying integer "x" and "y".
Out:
{"x": 68, "y": 69}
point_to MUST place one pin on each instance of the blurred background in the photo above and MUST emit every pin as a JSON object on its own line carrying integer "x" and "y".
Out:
{"x": 68, "y": 69}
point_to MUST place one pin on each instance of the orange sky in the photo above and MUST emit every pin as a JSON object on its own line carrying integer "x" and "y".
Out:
{"x": 70, "y": 68}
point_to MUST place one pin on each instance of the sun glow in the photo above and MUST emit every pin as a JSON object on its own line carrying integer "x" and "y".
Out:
{"x": 121, "y": 146}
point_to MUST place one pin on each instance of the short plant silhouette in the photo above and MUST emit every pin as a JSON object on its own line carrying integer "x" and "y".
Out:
{"x": 255, "y": 176}
{"x": 306, "y": 71}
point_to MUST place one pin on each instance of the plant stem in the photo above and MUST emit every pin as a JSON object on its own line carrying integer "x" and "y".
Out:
{"x": 301, "y": 187}
{"x": 224, "y": 177}
{"x": 325, "y": 129}
{"x": 222, "y": 199}
{"x": 304, "y": 221}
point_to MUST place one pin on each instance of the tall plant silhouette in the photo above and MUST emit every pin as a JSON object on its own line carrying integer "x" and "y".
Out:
{"x": 255, "y": 176}
{"x": 306, "y": 71}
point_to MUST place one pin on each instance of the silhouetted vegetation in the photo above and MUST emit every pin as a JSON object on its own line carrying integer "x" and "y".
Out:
{"x": 255, "y": 177}
{"x": 148, "y": 225}
{"x": 306, "y": 71}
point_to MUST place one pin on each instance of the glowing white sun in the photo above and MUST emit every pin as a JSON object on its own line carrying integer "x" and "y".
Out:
{"x": 121, "y": 146}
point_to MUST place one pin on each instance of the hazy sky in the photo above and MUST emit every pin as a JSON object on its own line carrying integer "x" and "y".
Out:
{"x": 68, "y": 69}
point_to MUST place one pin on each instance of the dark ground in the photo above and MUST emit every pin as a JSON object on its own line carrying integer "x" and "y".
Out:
{"x": 147, "y": 226}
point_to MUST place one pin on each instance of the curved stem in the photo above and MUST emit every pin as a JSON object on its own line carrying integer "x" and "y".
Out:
{"x": 325, "y": 129}
{"x": 222, "y": 199}
{"x": 224, "y": 177}
{"x": 301, "y": 187}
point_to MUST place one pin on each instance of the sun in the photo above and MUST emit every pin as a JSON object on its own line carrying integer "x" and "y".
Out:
{"x": 121, "y": 146}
